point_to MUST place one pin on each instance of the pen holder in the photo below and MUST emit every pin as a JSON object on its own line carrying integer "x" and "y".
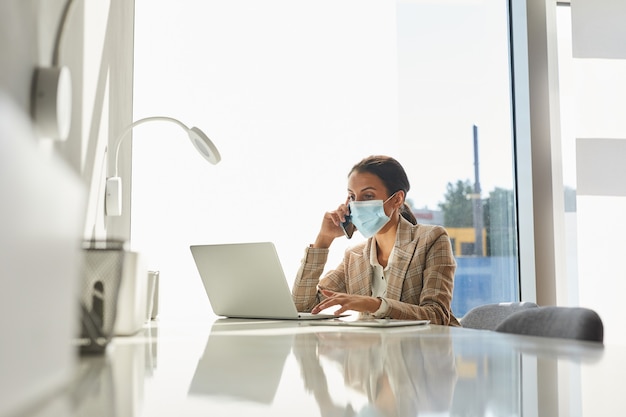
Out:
{"x": 102, "y": 275}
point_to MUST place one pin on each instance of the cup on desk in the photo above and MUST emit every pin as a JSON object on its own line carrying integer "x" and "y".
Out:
{"x": 152, "y": 302}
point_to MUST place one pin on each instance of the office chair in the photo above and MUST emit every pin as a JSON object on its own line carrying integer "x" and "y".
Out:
{"x": 563, "y": 322}
{"x": 488, "y": 316}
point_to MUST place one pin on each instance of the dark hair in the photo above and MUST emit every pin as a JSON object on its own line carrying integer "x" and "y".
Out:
{"x": 391, "y": 173}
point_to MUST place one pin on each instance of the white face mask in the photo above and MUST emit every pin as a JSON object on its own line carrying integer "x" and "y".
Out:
{"x": 369, "y": 216}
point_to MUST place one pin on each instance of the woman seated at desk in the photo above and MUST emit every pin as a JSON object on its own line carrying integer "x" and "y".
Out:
{"x": 404, "y": 270}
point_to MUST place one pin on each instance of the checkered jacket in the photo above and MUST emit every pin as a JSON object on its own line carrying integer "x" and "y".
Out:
{"x": 421, "y": 277}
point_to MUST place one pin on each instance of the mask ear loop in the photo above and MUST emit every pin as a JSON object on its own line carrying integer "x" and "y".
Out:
{"x": 399, "y": 208}
{"x": 390, "y": 197}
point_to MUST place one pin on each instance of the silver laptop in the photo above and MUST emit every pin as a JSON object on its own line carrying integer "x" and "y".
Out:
{"x": 246, "y": 280}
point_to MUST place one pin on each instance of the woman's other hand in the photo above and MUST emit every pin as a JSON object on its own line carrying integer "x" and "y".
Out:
{"x": 359, "y": 303}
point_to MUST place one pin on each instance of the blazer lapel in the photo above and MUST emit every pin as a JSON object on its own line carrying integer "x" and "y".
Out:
{"x": 404, "y": 250}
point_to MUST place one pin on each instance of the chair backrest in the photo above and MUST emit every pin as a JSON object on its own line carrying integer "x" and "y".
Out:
{"x": 551, "y": 321}
{"x": 488, "y": 316}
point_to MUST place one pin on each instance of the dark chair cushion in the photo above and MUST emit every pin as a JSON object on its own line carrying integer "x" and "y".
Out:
{"x": 563, "y": 322}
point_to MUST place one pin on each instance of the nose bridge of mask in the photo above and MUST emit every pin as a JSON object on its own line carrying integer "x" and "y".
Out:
{"x": 371, "y": 202}
{"x": 366, "y": 203}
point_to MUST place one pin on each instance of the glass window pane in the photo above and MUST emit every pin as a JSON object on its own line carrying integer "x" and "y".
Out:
{"x": 293, "y": 94}
{"x": 455, "y": 134}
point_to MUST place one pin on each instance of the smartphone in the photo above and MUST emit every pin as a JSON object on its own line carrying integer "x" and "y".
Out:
{"x": 348, "y": 227}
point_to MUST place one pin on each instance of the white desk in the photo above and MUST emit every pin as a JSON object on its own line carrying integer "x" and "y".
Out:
{"x": 261, "y": 368}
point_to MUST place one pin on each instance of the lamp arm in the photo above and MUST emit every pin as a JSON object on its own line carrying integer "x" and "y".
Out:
{"x": 124, "y": 133}
{"x": 113, "y": 189}
{"x": 59, "y": 34}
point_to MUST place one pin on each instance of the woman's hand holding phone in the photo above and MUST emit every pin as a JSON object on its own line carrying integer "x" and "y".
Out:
{"x": 348, "y": 227}
{"x": 335, "y": 224}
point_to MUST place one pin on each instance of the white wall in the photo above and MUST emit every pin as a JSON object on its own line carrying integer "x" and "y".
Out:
{"x": 39, "y": 255}
{"x": 599, "y": 85}
{"x": 51, "y": 189}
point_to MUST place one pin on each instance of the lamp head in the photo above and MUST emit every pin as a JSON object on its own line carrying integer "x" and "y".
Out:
{"x": 204, "y": 145}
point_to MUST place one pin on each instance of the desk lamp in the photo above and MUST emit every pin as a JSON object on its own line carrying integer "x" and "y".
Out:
{"x": 202, "y": 143}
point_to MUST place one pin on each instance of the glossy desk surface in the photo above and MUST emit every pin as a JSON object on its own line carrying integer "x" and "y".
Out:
{"x": 271, "y": 368}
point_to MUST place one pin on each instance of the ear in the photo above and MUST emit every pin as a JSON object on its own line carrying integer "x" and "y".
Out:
{"x": 399, "y": 197}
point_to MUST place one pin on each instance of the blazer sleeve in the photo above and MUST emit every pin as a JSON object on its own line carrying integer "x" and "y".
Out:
{"x": 305, "y": 288}
{"x": 304, "y": 291}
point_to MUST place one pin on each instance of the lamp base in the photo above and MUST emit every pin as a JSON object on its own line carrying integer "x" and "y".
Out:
{"x": 52, "y": 102}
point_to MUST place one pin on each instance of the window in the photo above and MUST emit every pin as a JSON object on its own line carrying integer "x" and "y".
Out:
{"x": 293, "y": 94}
{"x": 455, "y": 134}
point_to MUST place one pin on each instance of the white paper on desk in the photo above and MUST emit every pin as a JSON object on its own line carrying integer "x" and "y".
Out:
{"x": 370, "y": 323}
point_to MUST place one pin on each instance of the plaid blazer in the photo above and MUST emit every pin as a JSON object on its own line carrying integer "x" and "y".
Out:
{"x": 421, "y": 275}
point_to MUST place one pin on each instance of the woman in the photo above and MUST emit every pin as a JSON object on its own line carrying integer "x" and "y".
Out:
{"x": 403, "y": 271}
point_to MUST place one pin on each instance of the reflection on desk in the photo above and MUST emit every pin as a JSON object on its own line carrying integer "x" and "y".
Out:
{"x": 398, "y": 375}
{"x": 275, "y": 368}
{"x": 113, "y": 384}
{"x": 232, "y": 364}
